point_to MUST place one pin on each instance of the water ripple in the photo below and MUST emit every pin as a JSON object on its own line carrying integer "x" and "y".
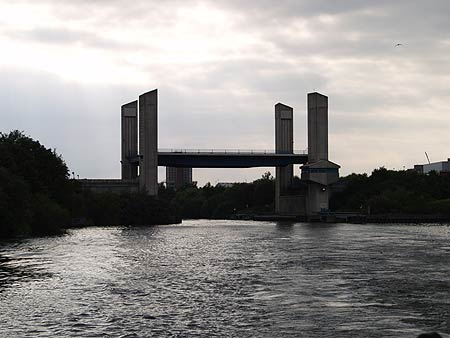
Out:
{"x": 228, "y": 278}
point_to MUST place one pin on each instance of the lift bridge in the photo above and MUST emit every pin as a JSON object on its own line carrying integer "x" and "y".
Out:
{"x": 140, "y": 163}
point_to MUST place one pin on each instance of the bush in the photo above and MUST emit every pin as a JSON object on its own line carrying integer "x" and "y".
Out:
{"x": 103, "y": 208}
{"x": 48, "y": 217}
{"x": 223, "y": 202}
{"x": 142, "y": 209}
{"x": 15, "y": 211}
{"x": 35, "y": 190}
{"x": 440, "y": 207}
{"x": 43, "y": 169}
{"x": 389, "y": 191}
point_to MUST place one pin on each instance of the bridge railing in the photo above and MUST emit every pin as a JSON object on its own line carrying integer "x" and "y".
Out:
{"x": 226, "y": 151}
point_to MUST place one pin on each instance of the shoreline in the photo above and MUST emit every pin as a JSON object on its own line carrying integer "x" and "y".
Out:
{"x": 331, "y": 218}
{"x": 353, "y": 218}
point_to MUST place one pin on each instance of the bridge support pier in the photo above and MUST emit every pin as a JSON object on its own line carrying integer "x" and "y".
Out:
{"x": 284, "y": 144}
{"x": 129, "y": 140}
{"x": 148, "y": 142}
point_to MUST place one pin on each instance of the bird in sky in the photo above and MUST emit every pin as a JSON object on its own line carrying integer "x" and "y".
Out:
{"x": 398, "y": 45}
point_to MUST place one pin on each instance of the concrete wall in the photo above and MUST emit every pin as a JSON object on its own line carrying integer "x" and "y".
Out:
{"x": 284, "y": 144}
{"x": 148, "y": 142}
{"x": 129, "y": 147}
{"x": 317, "y": 127}
{"x": 318, "y": 198}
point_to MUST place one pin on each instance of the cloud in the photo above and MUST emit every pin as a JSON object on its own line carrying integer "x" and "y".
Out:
{"x": 220, "y": 66}
{"x": 81, "y": 122}
{"x": 62, "y": 36}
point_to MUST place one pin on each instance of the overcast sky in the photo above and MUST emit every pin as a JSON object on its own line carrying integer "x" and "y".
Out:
{"x": 66, "y": 67}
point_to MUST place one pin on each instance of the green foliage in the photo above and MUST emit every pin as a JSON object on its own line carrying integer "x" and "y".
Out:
{"x": 389, "y": 191}
{"x": 264, "y": 191}
{"x": 209, "y": 205}
{"x": 102, "y": 208}
{"x": 15, "y": 205}
{"x": 48, "y": 216}
{"x": 440, "y": 207}
{"x": 43, "y": 169}
{"x": 38, "y": 198}
{"x": 141, "y": 209}
{"x": 223, "y": 202}
{"x": 34, "y": 187}
{"x": 107, "y": 208}
{"x": 224, "y": 209}
{"x": 188, "y": 202}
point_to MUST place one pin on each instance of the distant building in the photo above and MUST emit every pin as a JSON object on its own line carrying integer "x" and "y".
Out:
{"x": 177, "y": 178}
{"x": 418, "y": 168}
{"x": 441, "y": 168}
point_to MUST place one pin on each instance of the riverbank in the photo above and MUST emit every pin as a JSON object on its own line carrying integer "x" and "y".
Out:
{"x": 342, "y": 217}
{"x": 82, "y": 222}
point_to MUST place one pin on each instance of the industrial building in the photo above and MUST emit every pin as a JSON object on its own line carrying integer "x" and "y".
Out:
{"x": 441, "y": 168}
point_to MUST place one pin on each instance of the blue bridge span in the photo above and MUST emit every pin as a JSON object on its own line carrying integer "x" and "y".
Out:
{"x": 227, "y": 158}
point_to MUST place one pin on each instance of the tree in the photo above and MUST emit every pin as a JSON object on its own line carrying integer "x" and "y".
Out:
{"x": 142, "y": 209}
{"x": 389, "y": 191}
{"x": 15, "y": 205}
{"x": 43, "y": 169}
{"x": 34, "y": 186}
{"x": 264, "y": 190}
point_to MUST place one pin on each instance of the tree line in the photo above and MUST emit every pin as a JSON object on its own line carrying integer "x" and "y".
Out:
{"x": 218, "y": 201}
{"x": 393, "y": 192}
{"x": 37, "y": 196}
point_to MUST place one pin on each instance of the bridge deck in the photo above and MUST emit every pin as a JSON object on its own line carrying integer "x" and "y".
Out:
{"x": 228, "y": 159}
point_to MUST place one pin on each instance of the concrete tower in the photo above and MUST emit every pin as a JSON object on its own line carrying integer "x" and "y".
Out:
{"x": 317, "y": 127}
{"x": 284, "y": 144}
{"x": 319, "y": 173}
{"x": 129, "y": 140}
{"x": 148, "y": 142}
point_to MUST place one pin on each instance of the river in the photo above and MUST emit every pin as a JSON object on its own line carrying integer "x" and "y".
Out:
{"x": 228, "y": 279}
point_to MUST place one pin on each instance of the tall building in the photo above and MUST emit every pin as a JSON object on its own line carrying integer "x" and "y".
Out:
{"x": 177, "y": 178}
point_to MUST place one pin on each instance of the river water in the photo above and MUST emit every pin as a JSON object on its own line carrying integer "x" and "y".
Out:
{"x": 228, "y": 279}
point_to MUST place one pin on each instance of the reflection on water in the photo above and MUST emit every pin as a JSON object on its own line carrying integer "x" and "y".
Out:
{"x": 229, "y": 278}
